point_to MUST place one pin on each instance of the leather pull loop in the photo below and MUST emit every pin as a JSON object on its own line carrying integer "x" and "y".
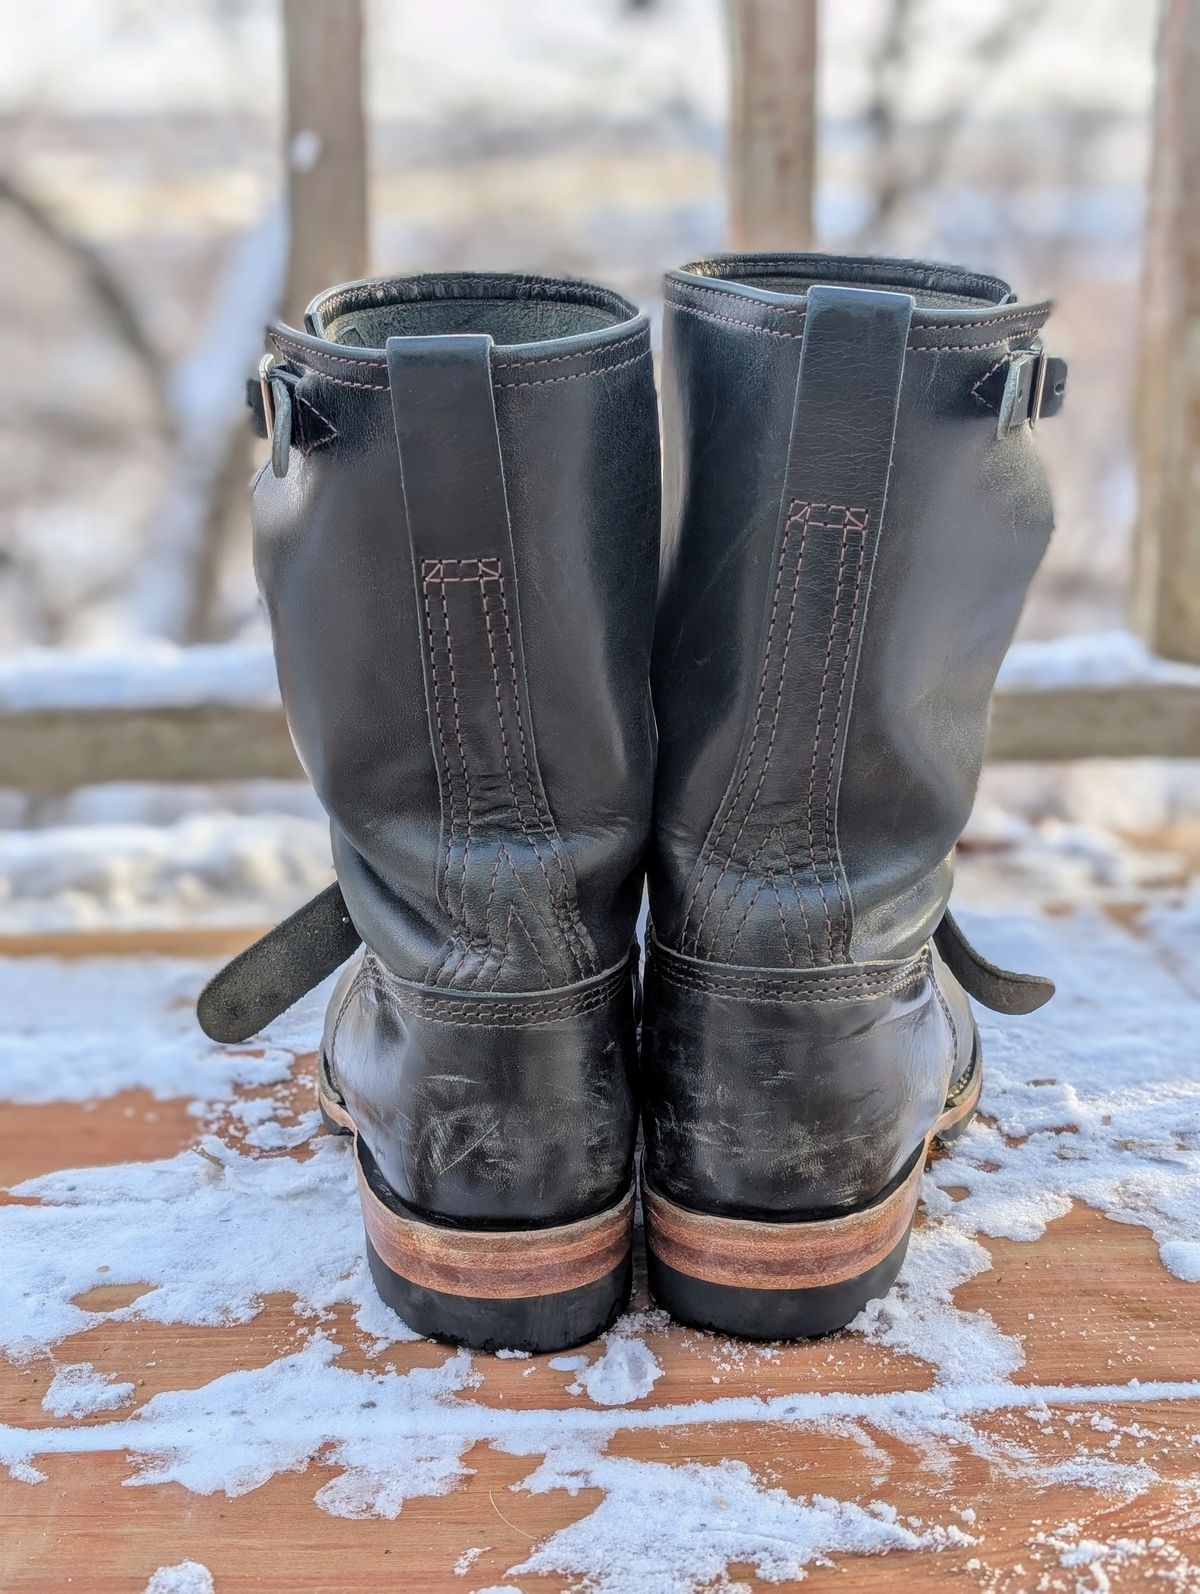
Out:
{"x": 997, "y": 988}
{"x": 275, "y": 972}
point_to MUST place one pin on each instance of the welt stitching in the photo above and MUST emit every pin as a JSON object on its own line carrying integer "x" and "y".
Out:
{"x": 584, "y": 946}
{"x": 826, "y": 861}
{"x": 777, "y": 678}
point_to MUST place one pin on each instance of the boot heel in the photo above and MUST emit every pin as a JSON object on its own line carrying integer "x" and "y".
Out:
{"x": 763, "y": 1280}
{"x": 530, "y": 1289}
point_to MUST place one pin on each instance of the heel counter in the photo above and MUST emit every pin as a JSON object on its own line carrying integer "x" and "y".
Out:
{"x": 791, "y": 1093}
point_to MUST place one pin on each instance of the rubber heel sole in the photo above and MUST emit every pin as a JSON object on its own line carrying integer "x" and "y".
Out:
{"x": 529, "y": 1289}
{"x": 790, "y": 1280}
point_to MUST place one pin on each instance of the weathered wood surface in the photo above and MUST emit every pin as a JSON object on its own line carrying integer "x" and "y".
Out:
{"x": 1166, "y": 599}
{"x": 57, "y": 750}
{"x": 772, "y": 123}
{"x": 325, "y": 150}
{"x": 1090, "y": 1301}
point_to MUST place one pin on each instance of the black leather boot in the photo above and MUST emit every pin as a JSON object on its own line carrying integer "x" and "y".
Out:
{"x": 854, "y": 510}
{"x": 458, "y": 549}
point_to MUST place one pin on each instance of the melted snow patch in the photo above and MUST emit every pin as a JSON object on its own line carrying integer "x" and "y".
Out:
{"x": 664, "y": 1528}
{"x": 185, "y": 1577}
{"x": 207, "y": 1234}
{"x": 78, "y": 1390}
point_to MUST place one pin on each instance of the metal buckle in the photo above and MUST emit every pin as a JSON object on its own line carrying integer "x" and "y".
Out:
{"x": 265, "y": 366}
{"x": 1039, "y": 390}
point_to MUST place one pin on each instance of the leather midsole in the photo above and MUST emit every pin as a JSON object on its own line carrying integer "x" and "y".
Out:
{"x": 497, "y": 1264}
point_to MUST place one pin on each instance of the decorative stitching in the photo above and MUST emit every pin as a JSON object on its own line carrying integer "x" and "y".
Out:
{"x": 462, "y": 759}
{"x": 1005, "y": 359}
{"x": 512, "y": 786}
{"x": 734, "y": 298}
{"x": 1028, "y": 330}
{"x": 577, "y": 953}
{"x": 524, "y": 1012}
{"x": 715, "y": 839}
{"x": 579, "y": 354}
{"x": 946, "y": 1013}
{"x": 733, "y": 321}
{"x": 574, "y": 376}
{"x": 444, "y": 763}
{"x": 801, "y": 986}
{"x": 544, "y": 818}
{"x": 855, "y": 520}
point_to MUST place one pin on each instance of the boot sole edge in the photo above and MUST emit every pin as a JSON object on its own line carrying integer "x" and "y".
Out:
{"x": 529, "y": 1289}
{"x": 789, "y": 1280}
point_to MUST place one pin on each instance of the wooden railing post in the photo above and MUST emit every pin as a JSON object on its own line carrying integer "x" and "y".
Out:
{"x": 1166, "y": 596}
{"x": 772, "y": 123}
{"x": 325, "y": 149}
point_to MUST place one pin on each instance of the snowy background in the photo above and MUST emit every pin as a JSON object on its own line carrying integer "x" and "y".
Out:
{"x": 140, "y": 218}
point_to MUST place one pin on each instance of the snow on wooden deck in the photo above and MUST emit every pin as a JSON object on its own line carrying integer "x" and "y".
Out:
{"x": 194, "y": 1367}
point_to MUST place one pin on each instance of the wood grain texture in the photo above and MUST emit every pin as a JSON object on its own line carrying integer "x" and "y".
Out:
{"x": 1090, "y": 1303}
{"x": 1166, "y": 597}
{"x": 57, "y": 750}
{"x": 772, "y": 123}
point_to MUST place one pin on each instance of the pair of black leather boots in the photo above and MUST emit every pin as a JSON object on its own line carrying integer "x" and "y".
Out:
{"x": 514, "y": 716}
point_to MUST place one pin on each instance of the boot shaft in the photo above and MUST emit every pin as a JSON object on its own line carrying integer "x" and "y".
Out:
{"x": 849, "y": 533}
{"x": 459, "y": 567}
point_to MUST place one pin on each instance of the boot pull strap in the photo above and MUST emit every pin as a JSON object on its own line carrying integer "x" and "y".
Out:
{"x": 997, "y": 988}
{"x": 275, "y": 972}
{"x": 505, "y": 881}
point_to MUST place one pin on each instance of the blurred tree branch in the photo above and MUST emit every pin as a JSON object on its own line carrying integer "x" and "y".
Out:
{"x": 103, "y": 286}
{"x": 900, "y": 179}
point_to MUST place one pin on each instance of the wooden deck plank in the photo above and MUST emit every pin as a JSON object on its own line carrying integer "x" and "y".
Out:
{"x": 1090, "y": 1302}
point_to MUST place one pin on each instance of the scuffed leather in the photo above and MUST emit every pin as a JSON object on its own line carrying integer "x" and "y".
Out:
{"x": 787, "y": 1108}
{"x": 476, "y": 720}
{"x": 789, "y": 1093}
{"x": 486, "y": 1109}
